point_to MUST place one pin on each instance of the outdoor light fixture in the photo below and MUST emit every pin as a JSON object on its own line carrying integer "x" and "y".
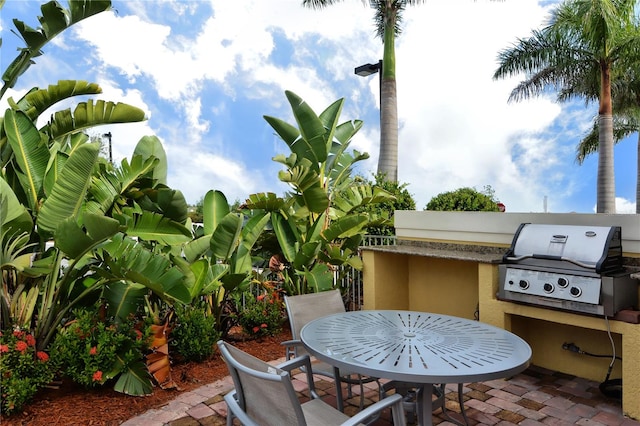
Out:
{"x": 368, "y": 69}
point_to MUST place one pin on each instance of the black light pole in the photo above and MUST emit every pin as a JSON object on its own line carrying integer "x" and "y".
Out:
{"x": 108, "y": 136}
{"x": 368, "y": 69}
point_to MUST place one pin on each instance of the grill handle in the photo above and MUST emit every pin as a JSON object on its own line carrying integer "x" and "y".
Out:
{"x": 548, "y": 257}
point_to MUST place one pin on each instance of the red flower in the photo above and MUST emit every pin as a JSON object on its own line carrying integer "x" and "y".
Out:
{"x": 31, "y": 341}
{"x": 263, "y": 325}
{"x": 18, "y": 333}
{"x": 138, "y": 334}
{"x": 4, "y": 349}
{"x": 42, "y": 356}
{"x": 261, "y": 297}
{"x": 93, "y": 351}
{"x": 21, "y": 346}
{"x": 97, "y": 376}
{"x": 256, "y": 329}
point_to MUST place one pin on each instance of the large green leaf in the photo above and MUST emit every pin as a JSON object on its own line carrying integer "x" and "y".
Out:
{"x": 87, "y": 115}
{"x": 173, "y": 204}
{"x": 74, "y": 240}
{"x": 14, "y": 217}
{"x": 124, "y": 298}
{"x": 151, "y": 226}
{"x": 68, "y": 193}
{"x": 214, "y": 208}
{"x": 329, "y": 118}
{"x": 307, "y": 254}
{"x": 267, "y": 201}
{"x": 36, "y": 101}
{"x": 128, "y": 260}
{"x": 150, "y": 146}
{"x": 249, "y": 235}
{"x": 311, "y": 129}
{"x": 226, "y": 236}
{"x": 197, "y": 248}
{"x": 287, "y": 236}
{"x": 308, "y": 185}
{"x": 134, "y": 380}
{"x": 110, "y": 185}
{"x": 30, "y": 152}
{"x": 54, "y": 19}
{"x": 320, "y": 278}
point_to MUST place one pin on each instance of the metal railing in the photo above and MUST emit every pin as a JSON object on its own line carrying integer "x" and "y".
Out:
{"x": 349, "y": 279}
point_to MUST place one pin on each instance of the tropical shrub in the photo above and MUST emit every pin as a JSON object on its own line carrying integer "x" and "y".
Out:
{"x": 262, "y": 315}
{"x": 317, "y": 225}
{"x": 465, "y": 199}
{"x": 95, "y": 349}
{"x": 218, "y": 261}
{"x": 384, "y": 211}
{"x": 194, "y": 334}
{"x": 23, "y": 369}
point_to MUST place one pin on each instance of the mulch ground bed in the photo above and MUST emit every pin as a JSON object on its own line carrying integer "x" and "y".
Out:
{"x": 71, "y": 404}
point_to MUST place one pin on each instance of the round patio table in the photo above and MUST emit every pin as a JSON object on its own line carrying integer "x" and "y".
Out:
{"x": 416, "y": 347}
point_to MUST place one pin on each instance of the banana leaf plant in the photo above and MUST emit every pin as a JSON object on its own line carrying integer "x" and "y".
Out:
{"x": 317, "y": 224}
{"x": 219, "y": 263}
{"x": 55, "y": 19}
{"x": 68, "y": 218}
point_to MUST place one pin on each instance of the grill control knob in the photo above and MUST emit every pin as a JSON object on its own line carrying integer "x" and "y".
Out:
{"x": 523, "y": 284}
{"x": 575, "y": 291}
{"x": 548, "y": 288}
{"x": 563, "y": 282}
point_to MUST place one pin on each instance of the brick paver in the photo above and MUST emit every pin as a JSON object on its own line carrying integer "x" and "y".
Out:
{"x": 536, "y": 397}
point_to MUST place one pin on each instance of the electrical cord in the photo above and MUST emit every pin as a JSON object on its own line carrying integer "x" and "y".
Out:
{"x": 610, "y": 387}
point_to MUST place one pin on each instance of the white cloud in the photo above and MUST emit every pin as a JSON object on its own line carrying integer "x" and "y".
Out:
{"x": 457, "y": 128}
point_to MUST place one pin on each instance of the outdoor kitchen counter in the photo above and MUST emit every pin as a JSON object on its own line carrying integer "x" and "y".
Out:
{"x": 466, "y": 252}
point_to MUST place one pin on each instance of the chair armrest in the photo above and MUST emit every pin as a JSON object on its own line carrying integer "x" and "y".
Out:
{"x": 394, "y": 401}
{"x": 299, "y": 362}
{"x": 234, "y": 407}
{"x": 304, "y": 364}
{"x": 290, "y": 345}
{"x": 293, "y": 342}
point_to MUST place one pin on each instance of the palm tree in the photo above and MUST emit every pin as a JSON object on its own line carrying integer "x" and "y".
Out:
{"x": 388, "y": 18}
{"x": 584, "y": 42}
{"x": 626, "y": 120}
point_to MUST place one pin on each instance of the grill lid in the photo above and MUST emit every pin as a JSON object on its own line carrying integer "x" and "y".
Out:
{"x": 596, "y": 248}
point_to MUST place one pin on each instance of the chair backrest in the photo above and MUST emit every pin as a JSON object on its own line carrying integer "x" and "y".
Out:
{"x": 304, "y": 308}
{"x": 263, "y": 391}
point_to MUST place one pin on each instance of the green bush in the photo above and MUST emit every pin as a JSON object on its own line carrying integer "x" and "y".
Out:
{"x": 94, "y": 350}
{"x": 465, "y": 199}
{"x": 23, "y": 369}
{"x": 194, "y": 336}
{"x": 262, "y": 315}
{"x": 403, "y": 201}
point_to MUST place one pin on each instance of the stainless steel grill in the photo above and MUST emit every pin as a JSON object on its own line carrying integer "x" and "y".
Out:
{"x": 573, "y": 268}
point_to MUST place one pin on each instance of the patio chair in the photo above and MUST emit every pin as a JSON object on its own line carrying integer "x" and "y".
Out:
{"x": 304, "y": 308}
{"x": 264, "y": 395}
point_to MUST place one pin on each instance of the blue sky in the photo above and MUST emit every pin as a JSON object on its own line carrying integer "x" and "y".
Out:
{"x": 206, "y": 72}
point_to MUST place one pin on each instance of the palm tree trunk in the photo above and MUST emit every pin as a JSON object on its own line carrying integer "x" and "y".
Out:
{"x": 388, "y": 159}
{"x": 606, "y": 179}
{"x": 606, "y": 186}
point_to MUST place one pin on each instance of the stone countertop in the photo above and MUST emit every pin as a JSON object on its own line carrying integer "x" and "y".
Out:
{"x": 467, "y": 252}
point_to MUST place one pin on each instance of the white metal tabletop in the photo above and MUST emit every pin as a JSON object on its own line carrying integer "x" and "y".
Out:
{"x": 418, "y": 347}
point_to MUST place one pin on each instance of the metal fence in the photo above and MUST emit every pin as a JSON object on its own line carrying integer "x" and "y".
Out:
{"x": 349, "y": 279}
